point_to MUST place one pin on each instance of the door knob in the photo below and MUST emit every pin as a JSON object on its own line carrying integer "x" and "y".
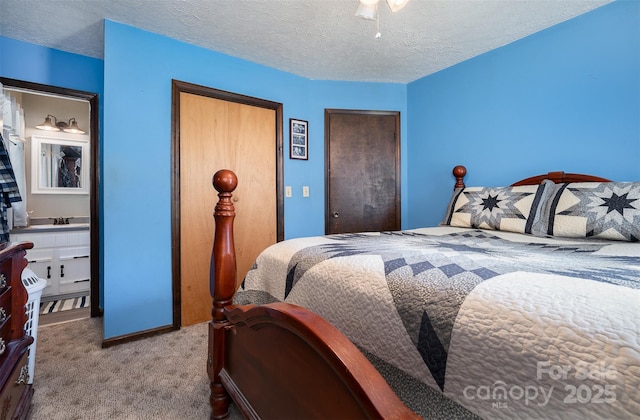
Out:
{"x": 335, "y": 214}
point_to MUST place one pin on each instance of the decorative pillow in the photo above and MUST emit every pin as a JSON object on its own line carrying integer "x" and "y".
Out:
{"x": 608, "y": 210}
{"x": 513, "y": 209}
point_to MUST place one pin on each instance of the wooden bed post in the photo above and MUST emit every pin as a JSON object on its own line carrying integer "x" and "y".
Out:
{"x": 222, "y": 284}
{"x": 254, "y": 349}
{"x": 459, "y": 173}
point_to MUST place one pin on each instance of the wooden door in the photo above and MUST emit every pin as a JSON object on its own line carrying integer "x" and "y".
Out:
{"x": 221, "y": 134}
{"x": 362, "y": 154}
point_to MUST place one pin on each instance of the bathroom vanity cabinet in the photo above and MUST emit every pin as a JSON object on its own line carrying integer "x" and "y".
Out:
{"x": 61, "y": 255}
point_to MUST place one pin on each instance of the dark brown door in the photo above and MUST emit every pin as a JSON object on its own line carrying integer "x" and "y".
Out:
{"x": 362, "y": 153}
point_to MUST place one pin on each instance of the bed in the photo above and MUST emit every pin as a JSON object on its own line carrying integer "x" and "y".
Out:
{"x": 523, "y": 303}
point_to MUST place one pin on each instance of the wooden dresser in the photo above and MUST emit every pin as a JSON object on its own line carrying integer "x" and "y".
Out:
{"x": 15, "y": 392}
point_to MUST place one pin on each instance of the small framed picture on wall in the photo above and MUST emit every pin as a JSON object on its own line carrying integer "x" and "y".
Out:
{"x": 299, "y": 131}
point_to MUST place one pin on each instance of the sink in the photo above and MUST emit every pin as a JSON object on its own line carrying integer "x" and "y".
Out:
{"x": 51, "y": 227}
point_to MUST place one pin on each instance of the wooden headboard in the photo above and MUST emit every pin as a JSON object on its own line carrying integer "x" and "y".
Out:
{"x": 460, "y": 171}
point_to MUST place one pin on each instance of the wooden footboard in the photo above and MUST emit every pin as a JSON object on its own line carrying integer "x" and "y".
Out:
{"x": 281, "y": 360}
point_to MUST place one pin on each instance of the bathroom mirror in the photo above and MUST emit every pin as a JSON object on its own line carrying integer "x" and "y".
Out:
{"x": 57, "y": 166}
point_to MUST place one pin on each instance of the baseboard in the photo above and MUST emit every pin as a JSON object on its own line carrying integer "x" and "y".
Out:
{"x": 63, "y": 316}
{"x": 110, "y": 342}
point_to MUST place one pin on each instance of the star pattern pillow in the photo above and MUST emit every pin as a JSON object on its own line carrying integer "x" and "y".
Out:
{"x": 513, "y": 209}
{"x": 608, "y": 210}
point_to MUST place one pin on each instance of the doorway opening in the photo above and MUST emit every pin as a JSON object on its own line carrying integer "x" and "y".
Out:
{"x": 61, "y": 199}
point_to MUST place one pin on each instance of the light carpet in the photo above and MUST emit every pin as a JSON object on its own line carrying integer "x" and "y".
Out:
{"x": 158, "y": 378}
{"x": 161, "y": 377}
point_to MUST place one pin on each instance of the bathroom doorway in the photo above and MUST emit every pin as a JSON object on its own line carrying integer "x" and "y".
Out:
{"x": 51, "y": 208}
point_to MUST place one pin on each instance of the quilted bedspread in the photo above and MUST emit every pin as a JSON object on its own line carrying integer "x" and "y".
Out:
{"x": 504, "y": 324}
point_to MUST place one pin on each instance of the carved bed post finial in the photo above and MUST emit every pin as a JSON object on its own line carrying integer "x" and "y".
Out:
{"x": 223, "y": 258}
{"x": 222, "y": 285}
{"x": 459, "y": 173}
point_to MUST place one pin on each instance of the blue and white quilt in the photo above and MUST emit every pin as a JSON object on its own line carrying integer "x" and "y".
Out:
{"x": 505, "y": 324}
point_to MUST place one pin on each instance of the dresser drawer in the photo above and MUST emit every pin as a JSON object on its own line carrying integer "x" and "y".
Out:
{"x": 5, "y": 275}
{"x": 12, "y": 392}
{"x": 5, "y": 320}
{"x": 5, "y": 304}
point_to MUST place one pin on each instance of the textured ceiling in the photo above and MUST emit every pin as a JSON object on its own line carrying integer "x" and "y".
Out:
{"x": 316, "y": 39}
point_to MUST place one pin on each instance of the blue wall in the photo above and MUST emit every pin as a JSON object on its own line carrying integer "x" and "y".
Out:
{"x": 36, "y": 64}
{"x": 566, "y": 98}
{"x": 139, "y": 66}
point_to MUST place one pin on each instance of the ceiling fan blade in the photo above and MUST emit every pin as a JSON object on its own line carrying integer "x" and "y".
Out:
{"x": 396, "y": 5}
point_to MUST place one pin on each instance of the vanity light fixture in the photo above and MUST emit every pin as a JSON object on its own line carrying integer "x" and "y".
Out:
{"x": 70, "y": 127}
{"x": 48, "y": 125}
{"x": 73, "y": 127}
